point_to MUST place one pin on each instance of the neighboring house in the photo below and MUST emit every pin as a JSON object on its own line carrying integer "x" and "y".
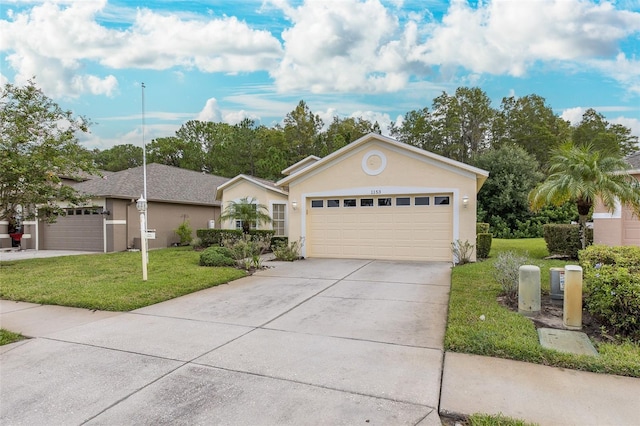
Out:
{"x": 622, "y": 227}
{"x": 375, "y": 198}
{"x": 110, "y": 221}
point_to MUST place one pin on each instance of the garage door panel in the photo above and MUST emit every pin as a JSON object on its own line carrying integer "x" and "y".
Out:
{"x": 381, "y": 232}
{"x": 76, "y": 232}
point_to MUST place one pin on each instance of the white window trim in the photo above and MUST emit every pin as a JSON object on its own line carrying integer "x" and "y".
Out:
{"x": 286, "y": 214}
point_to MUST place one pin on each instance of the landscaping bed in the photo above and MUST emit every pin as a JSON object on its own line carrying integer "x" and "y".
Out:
{"x": 480, "y": 324}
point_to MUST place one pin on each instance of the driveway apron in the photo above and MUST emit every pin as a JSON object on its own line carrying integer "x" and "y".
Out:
{"x": 319, "y": 341}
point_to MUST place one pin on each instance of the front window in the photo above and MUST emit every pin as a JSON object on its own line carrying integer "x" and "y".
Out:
{"x": 277, "y": 218}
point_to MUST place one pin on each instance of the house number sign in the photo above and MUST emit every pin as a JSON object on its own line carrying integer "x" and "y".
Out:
{"x": 376, "y": 191}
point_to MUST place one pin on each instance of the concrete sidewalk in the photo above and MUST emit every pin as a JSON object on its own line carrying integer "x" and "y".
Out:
{"x": 537, "y": 393}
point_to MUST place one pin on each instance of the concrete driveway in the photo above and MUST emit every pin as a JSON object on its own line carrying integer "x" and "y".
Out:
{"x": 310, "y": 342}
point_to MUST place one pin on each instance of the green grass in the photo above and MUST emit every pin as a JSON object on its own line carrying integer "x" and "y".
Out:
{"x": 507, "y": 334}
{"x": 7, "y": 337}
{"x": 490, "y": 420}
{"x": 110, "y": 282}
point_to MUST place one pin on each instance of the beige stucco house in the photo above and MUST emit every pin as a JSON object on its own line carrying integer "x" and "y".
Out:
{"x": 264, "y": 192}
{"x": 375, "y": 198}
{"x": 620, "y": 227}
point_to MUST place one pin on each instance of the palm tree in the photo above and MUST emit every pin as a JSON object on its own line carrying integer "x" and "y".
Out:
{"x": 247, "y": 211}
{"x": 582, "y": 175}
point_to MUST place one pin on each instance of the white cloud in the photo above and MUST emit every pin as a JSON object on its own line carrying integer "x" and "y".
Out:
{"x": 210, "y": 112}
{"x": 573, "y": 115}
{"x": 58, "y": 42}
{"x": 341, "y": 46}
{"x": 236, "y": 117}
{"x": 622, "y": 69}
{"x": 506, "y": 37}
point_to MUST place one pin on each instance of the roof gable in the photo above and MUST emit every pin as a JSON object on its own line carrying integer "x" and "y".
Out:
{"x": 305, "y": 162}
{"x": 481, "y": 175}
{"x": 164, "y": 183}
{"x": 263, "y": 183}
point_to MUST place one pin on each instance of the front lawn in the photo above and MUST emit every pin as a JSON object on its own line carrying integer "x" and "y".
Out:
{"x": 507, "y": 334}
{"x": 110, "y": 282}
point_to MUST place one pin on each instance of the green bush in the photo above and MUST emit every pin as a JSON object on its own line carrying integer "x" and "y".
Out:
{"x": 248, "y": 249}
{"x": 564, "y": 239}
{"x": 288, "y": 252}
{"x": 214, "y": 237}
{"x": 262, "y": 234}
{"x": 506, "y": 271}
{"x": 482, "y": 228}
{"x": 483, "y": 245}
{"x": 612, "y": 287}
{"x": 275, "y": 241}
{"x": 217, "y": 256}
{"x": 184, "y": 232}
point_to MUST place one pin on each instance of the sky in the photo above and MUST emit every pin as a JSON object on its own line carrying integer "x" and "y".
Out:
{"x": 223, "y": 61}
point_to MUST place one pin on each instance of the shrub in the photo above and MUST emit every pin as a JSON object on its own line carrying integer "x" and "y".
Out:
{"x": 288, "y": 252}
{"x": 214, "y": 237}
{"x": 265, "y": 234}
{"x": 506, "y": 273}
{"x": 483, "y": 245}
{"x": 612, "y": 287}
{"x": 217, "y": 256}
{"x": 482, "y": 228}
{"x": 564, "y": 239}
{"x": 185, "y": 233}
{"x": 275, "y": 241}
{"x": 462, "y": 252}
{"x": 196, "y": 243}
{"x": 248, "y": 249}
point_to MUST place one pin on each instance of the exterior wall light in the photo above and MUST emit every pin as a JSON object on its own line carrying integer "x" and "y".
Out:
{"x": 465, "y": 201}
{"x": 294, "y": 204}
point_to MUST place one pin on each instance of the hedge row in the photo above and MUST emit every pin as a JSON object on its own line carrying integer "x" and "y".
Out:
{"x": 215, "y": 237}
{"x": 564, "y": 239}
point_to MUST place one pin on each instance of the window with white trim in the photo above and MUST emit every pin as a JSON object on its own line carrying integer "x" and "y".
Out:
{"x": 277, "y": 219}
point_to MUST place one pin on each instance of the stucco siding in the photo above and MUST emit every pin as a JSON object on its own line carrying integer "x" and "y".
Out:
{"x": 391, "y": 171}
{"x": 244, "y": 188}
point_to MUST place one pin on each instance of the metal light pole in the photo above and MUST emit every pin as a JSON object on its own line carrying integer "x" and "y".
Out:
{"x": 141, "y": 205}
{"x": 144, "y": 151}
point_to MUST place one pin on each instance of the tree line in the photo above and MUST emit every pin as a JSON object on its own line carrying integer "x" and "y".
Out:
{"x": 461, "y": 126}
{"x": 514, "y": 142}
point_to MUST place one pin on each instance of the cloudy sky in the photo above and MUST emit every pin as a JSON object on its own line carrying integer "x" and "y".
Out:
{"x": 222, "y": 60}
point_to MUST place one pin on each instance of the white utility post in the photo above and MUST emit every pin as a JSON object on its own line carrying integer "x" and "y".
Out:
{"x": 141, "y": 205}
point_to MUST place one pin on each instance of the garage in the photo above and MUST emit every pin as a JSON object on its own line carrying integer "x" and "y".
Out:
{"x": 398, "y": 227}
{"x": 80, "y": 229}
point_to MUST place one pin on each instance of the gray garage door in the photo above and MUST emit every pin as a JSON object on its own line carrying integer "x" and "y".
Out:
{"x": 80, "y": 229}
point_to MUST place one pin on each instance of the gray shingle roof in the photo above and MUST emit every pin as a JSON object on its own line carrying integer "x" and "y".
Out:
{"x": 164, "y": 183}
{"x": 634, "y": 160}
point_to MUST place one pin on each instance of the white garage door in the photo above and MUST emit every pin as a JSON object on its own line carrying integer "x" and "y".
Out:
{"x": 399, "y": 227}
{"x": 80, "y": 229}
